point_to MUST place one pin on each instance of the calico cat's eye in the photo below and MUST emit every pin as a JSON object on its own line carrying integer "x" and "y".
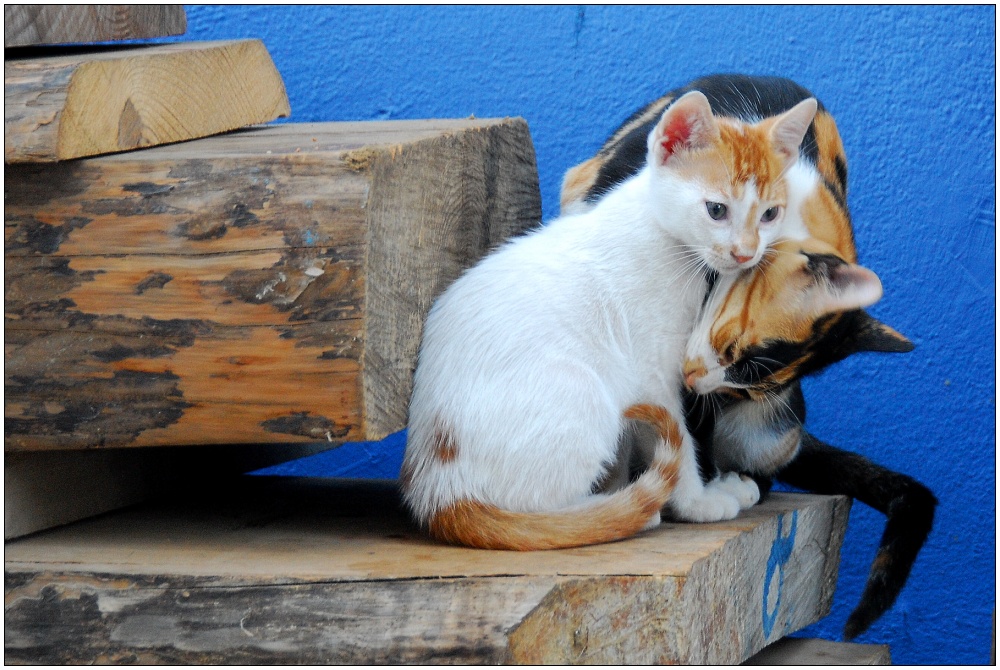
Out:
{"x": 716, "y": 210}
{"x": 770, "y": 214}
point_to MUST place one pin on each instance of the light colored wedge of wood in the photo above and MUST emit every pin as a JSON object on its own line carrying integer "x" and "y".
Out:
{"x": 25, "y": 25}
{"x": 806, "y": 651}
{"x": 109, "y": 101}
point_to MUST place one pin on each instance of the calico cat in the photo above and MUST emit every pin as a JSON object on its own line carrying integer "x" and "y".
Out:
{"x": 762, "y": 331}
{"x": 536, "y": 360}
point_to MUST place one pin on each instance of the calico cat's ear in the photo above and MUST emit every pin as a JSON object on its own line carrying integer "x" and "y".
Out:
{"x": 789, "y": 129}
{"x": 840, "y": 286}
{"x": 873, "y": 335}
{"x": 686, "y": 124}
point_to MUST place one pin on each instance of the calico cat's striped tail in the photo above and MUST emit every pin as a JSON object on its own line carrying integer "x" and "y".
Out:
{"x": 598, "y": 519}
{"x": 907, "y": 504}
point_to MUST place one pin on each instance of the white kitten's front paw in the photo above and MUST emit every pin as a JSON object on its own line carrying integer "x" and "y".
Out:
{"x": 741, "y": 487}
{"x": 710, "y": 505}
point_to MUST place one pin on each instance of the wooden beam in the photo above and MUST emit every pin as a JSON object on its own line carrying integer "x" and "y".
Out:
{"x": 805, "y": 651}
{"x": 101, "y": 102}
{"x": 267, "y": 286}
{"x": 332, "y": 572}
{"x": 25, "y": 25}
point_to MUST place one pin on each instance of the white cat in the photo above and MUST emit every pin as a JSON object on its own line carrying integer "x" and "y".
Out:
{"x": 536, "y": 360}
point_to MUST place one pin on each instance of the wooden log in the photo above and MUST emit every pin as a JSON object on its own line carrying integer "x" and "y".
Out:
{"x": 100, "y": 102}
{"x": 266, "y": 286}
{"x": 26, "y": 25}
{"x": 803, "y": 651}
{"x": 331, "y": 572}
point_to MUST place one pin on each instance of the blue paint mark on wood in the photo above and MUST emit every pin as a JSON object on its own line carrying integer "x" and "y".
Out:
{"x": 781, "y": 551}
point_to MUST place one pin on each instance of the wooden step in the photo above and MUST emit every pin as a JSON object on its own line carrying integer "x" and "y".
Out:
{"x": 266, "y": 286}
{"x": 327, "y": 571}
{"x": 25, "y": 25}
{"x": 98, "y": 102}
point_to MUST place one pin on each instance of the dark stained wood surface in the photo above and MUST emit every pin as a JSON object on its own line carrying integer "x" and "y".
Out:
{"x": 267, "y": 286}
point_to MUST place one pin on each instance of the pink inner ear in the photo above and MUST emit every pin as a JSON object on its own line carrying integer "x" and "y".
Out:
{"x": 677, "y": 132}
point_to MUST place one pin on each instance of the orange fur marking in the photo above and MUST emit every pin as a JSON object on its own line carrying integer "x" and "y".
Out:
{"x": 484, "y": 526}
{"x": 660, "y": 418}
{"x": 830, "y": 148}
{"x": 578, "y": 181}
{"x": 445, "y": 449}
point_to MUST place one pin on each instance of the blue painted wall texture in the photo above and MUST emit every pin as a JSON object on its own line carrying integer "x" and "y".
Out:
{"x": 912, "y": 89}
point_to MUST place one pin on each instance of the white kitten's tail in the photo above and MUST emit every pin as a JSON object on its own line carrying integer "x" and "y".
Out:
{"x": 602, "y": 518}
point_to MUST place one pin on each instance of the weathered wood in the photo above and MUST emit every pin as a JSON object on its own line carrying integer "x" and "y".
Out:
{"x": 803, "y": 651}
{"x": 260, "y": 287}
{"x": 332, "y": 572}
{"x": 25, "y": 25}
{"x": 43, "y": 489}
{"x": 100, "y": 102}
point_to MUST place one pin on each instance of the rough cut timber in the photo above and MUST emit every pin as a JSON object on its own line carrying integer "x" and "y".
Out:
{"x": 25, "y": 25}
{"x": 101, "y": 102}
{"x": 265, "y": 286}
{"x": 330, "y": 572}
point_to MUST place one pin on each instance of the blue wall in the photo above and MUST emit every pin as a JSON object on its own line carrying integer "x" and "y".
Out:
{"x": 912, "y": 89}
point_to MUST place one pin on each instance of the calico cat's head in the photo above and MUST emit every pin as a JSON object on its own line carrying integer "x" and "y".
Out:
{"x": 800, "y": 310}
{"x": 718, "y": 182}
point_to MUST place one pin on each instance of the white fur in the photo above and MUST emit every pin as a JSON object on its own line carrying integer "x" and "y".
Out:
{"x": 530, "y": 359}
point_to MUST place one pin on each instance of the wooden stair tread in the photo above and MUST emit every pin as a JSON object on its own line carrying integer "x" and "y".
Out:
{"x": 280, "y": 561}
{"x": 110, "y": 100}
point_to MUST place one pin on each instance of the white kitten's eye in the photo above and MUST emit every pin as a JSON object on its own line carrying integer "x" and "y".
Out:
{"x": 717, "y": 210}
{"x": 770, "y": 214}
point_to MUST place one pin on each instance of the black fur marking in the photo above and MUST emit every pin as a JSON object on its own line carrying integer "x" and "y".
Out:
{"x": 907, "y": 504}
{"x": 840, "y": 165}
{"x": 732, "y": 95}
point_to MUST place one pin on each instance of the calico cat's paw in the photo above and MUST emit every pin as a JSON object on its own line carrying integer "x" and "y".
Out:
{"x": 741, "y": 487}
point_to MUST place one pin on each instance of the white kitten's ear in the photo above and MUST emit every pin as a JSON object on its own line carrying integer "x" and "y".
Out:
{"x": 841, "y": 286}
{"x": 686, "y": 124}
{"x": 789, "y": 129}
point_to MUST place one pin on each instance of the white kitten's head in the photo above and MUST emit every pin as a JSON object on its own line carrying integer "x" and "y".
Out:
{"x": 718, "y": 184}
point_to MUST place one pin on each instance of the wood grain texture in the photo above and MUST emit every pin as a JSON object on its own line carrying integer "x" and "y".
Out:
{"x": 262, "y": 287}
{"x": 25, "y": 25}
{"x": 99, "y": 102}
{"x": 332, "y": 572}
{"x": 805, "y": 651}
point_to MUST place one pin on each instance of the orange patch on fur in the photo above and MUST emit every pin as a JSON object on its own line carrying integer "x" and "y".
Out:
{"x": 828, "y": 222}
{"x": 444, "y": 449}
{"x": 483, "y": 526}
{"x": 830, "y": 148}
{"x": 578, "y": 180}
{"x": 658, "y": 417}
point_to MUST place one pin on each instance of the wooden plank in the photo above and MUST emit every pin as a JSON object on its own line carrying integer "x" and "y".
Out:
{"x": 267, "y": 286}
{"x": 804, "y": 651}
{"x": 321, "y": 571}
{"x": 85, "y": 104}
{"x": 25, "y": 25}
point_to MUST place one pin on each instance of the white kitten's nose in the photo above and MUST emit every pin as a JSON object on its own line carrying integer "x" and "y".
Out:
{"x": 740, "y": 258}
